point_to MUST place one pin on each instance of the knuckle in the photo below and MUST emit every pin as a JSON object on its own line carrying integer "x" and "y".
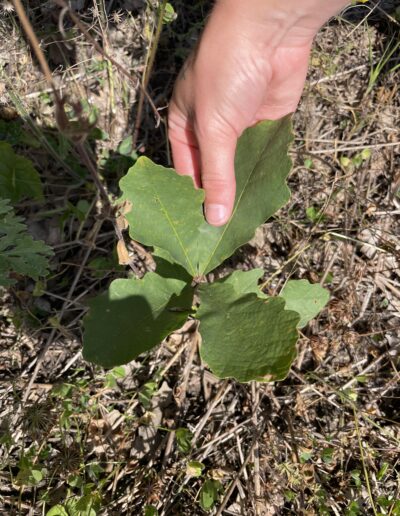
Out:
{"x": 213, "y": 129}
{"x": 216, "y": 182}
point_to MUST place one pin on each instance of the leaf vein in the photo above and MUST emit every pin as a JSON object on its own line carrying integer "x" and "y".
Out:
{"x": 163, "y": 209}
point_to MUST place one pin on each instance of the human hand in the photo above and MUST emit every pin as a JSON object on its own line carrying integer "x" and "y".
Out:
{"x": 250, "y": 65}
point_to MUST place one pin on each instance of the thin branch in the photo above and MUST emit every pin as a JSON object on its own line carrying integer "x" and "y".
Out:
{"x": 147, "y": 72}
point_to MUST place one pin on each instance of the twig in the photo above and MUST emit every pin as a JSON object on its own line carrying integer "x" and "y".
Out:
{"x": 223, "y": 390}
{"x": 182, "y": 397}
{"x": 289, "y": 260}
{"x": 296, "y": 452}
{"x": 255, "y": 397}
{"x": 355, "y": 148}
{"x": 234, "y": 483}
{"x": 371, "y": 498}
{"x": 147, "y": 73}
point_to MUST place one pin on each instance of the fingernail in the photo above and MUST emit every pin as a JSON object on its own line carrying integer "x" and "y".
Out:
{"x": 216, "y": 214}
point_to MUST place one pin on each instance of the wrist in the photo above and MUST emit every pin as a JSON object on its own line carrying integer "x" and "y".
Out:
{"x": 278, "y": 22}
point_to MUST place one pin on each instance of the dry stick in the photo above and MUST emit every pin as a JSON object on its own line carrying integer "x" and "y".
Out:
{"x": 222, "y": 438}
{"x": 219, "y": 396}
{"x": 208, "y": 447}
{"x": 235, "y": 482}
{"x": 255, "y": 398}
{"x": 289, "y": 260}
{"x": 355, "y": 148}
{"x": 26, "y": 24}
{"x": 182, "y": 397}
{"x": 391, "y": 18}
{"x": 296, "y": 453}
{"x": 147, "y": 74}
{"x": 221, "y": 393}
{"x": 85, "y": 32}
{"x": 366, "y": 476}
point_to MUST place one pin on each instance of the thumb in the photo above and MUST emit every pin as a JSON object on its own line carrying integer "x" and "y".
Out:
{"x": 217, "y": 161}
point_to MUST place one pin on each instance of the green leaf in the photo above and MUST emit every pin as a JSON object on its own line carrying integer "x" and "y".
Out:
{"x": 305, "y": 298}
{"x": 184, "y": 439}
{"x": 194, "y": 468}
{"x": 355, "y": 476}
{"x": 88, "y": 504}
{"x": 305, "y": 455}
{"x": 308, "y": 163}
{"x": 314, "y": 215}
{"x": 244, "y": 336}
{"x": 245, "y": 282}
{"x": 150, "y": 510}
{"x": 146, "y": 394}
{"x": 345, "y": 161}
{"x": 113, "y": 375}
{"x": 366, "y": 154}
{"x": 19, "y": 252}
{"x": 37, "y": 475}
{"x": 209, "y": 494}
{"x": 167, "y": 268}
{"x": 126, "y": 146}
{"x": 13, "y": 132}
{"x": 57, "y": 510}
{"x": 383, "y": 470}
{"x": 167, "y": 209}
{"x": 169, "y": 14}
{"x": 327, "y": 455}
{"x": 18, "y": 177}
{"x": 134, "y": 316}
{"x": 353, "y": 509}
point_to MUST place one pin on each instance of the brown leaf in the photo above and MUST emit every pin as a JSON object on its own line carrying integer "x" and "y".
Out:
{"x": 123, "y": 255}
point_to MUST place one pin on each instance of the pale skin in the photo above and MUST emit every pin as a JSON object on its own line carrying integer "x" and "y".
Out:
{"x": 250, "y": 65}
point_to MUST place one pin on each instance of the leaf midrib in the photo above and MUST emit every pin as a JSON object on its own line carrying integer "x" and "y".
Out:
{"x": 237, "y": 204}
{"x": 163, "y": 209}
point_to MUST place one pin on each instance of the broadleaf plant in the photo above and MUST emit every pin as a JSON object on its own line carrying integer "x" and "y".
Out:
{"x": 245, "y": 333}
{"x": 167, "y": 210}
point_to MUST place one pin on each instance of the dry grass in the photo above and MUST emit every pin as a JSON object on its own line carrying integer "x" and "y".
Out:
{"x": 324, "y": 441}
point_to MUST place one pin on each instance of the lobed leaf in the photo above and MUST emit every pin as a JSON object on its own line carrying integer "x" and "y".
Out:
{"x": 245, "y": 282}
{"x": 305, "y": 298}
{"x": 245, "y": 336}
{"x": 167, "y": 209}
{"x": 134, "y": 316}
